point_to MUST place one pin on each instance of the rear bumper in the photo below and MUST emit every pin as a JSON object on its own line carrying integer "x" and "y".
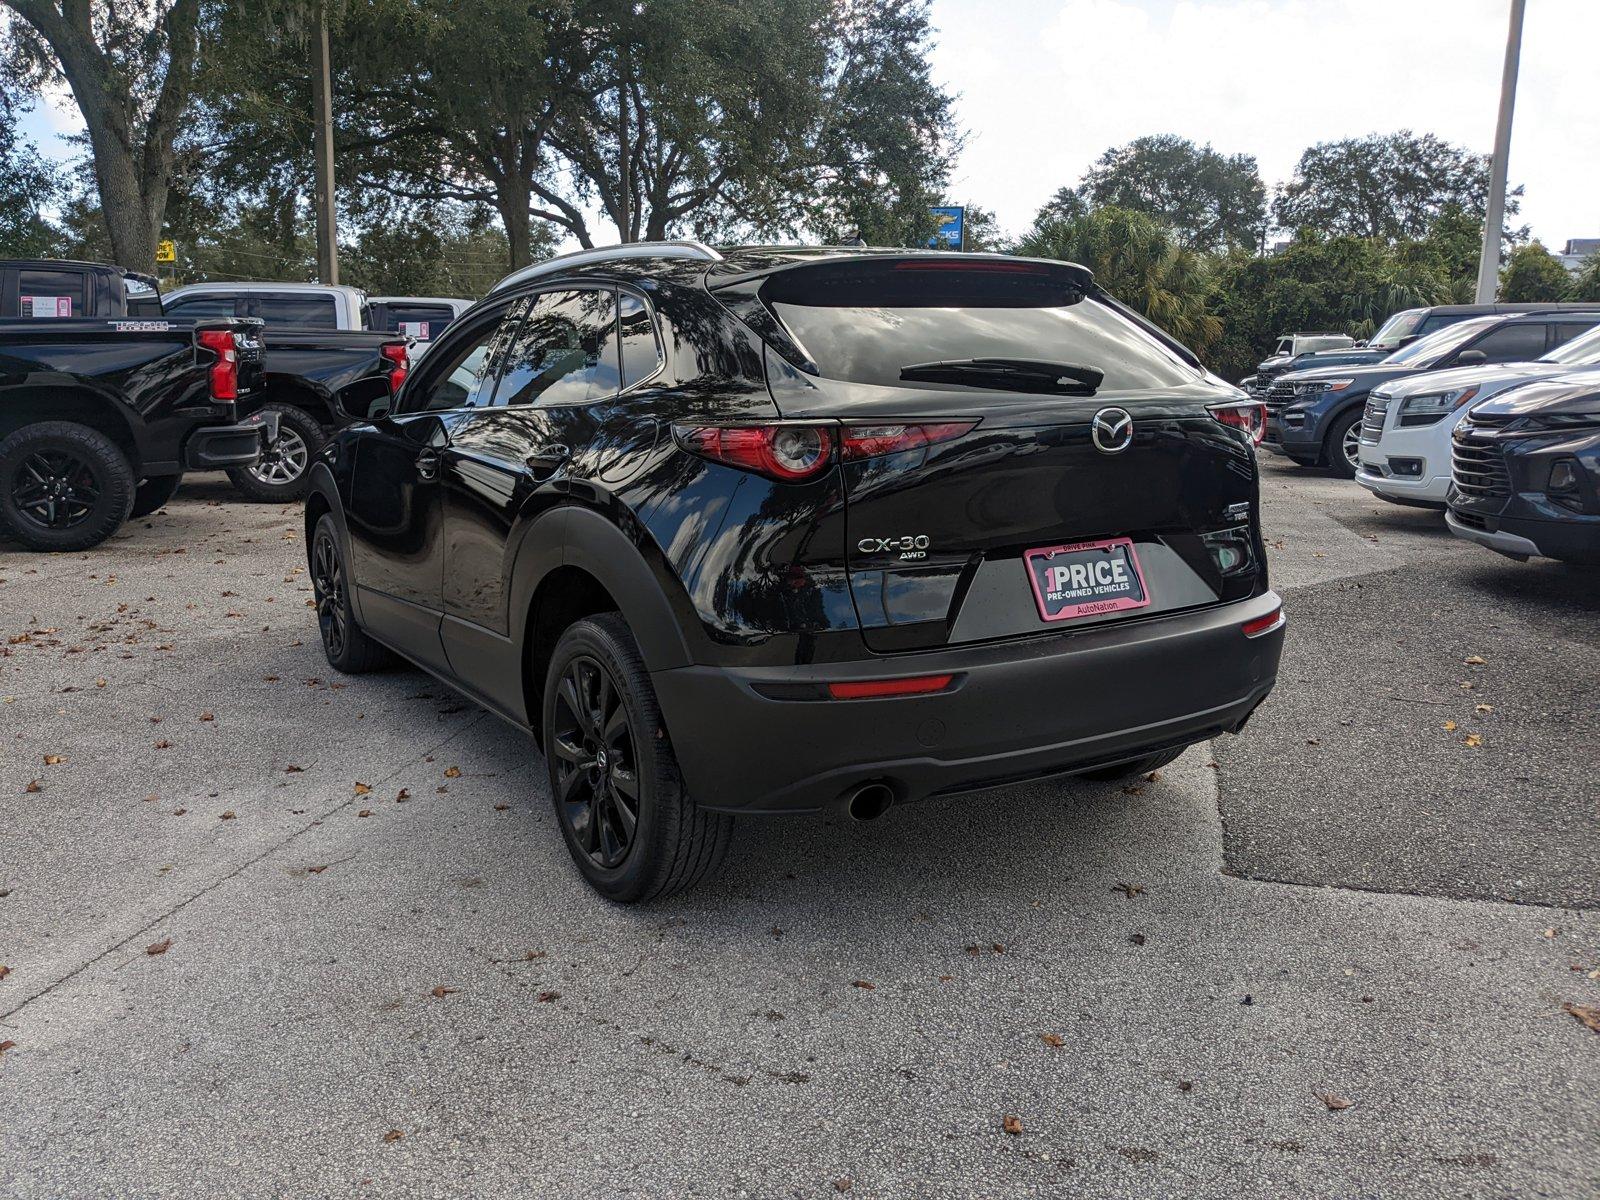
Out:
{"x": 214, "y": 447}
{"x": 1016, "y": 711}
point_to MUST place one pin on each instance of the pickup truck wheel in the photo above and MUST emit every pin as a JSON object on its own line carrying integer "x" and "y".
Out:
{"x": 153, "y": 493}
{"x": 63, "y": 486}
{"x": 348, "y": 648}
{"x": 1343, "y": 448}
{"x": 281, "y": 473}
{"x": 619, "y": 798}
{"x": 1139, "y": 766}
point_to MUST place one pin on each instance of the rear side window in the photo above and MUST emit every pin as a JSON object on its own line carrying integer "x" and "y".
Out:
{"x": 869, "y": 324}
{"x": 565, "y": 352}
{"x": 198, "y": 308}
{"x": 47, "y": 293}
{"x": 1440, "y": 321}
{"x": 641, "y": 349}
{"x": 295, "y": 312}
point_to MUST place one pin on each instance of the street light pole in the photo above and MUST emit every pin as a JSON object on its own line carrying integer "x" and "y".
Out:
{"x": 322, "y": 144}
{"x": 1494, "y": 219}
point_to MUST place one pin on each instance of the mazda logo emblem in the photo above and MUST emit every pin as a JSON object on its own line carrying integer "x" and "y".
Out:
{"x": 1111, "y": 430}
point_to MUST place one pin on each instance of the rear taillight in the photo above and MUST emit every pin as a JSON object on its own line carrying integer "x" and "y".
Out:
{"x": 395, "y": 354}
{"x": 224, "y": 376}
{"x": 792, "y": 452}
{"x": 1247, "y": 415}
{"x": 1266, "y": 624}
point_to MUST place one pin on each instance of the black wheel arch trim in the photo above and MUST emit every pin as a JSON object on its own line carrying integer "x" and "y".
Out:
{"x": 322, "y": 486}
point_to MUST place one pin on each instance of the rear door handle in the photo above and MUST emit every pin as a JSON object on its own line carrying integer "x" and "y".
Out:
{"x": 547, "y": 461}
{"x": 427, "y": 464}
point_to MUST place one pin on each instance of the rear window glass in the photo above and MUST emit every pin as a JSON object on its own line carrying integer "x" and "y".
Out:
{"x": 295, "y": 312}
{"x": 45, "y": 293}
{"x": 421, "y": 321}
{"x": 871, "y": 326}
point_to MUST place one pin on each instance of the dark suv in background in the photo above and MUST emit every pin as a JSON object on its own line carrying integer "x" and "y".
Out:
{"x": 1314, "y": 416}
{"x": 783, "y": 530}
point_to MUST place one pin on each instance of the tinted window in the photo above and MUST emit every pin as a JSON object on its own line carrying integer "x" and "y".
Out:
{"x": 565, "y": 352}
{"x": 421, "y": 321}
{"x": 1396, "y": 327}
{"x": 47, "y": 293}
{"x": 1563, "y": 332}
{"x": 641, "y": 349}
{"x": 1512, "y": 343}
{"x": 295, "y": 312}
{"x": 1441, "y": 342}
{"x": 196, "y": 308}
{"x": 1580, "y": 351}
{"x": 1439, "y": 321}
{"x": 463, "y": 381}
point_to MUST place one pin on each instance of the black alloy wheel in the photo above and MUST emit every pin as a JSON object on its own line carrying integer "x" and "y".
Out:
{"x": 327, "y": 582}
{"x": 55, "y": 489}
{"x": 596, "y": 763}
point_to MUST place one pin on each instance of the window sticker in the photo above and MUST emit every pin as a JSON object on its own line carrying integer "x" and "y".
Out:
{"x": 415, "y": 329}
{"x": 46, "y": 306}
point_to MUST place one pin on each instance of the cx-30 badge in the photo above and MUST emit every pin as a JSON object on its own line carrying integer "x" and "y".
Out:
{"x": 1111, "y": 430}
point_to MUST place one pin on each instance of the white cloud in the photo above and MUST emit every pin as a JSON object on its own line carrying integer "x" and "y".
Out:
{"x": 1047, "y": 85}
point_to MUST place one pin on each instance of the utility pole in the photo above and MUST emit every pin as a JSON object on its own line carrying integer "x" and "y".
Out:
{"x": 1494, "y": 219}
{"x": 322, "y": 143}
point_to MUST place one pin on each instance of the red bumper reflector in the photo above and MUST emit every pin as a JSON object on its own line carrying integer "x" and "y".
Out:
{"x": 865, "y": 689}
{"x": 1264, "y": 624}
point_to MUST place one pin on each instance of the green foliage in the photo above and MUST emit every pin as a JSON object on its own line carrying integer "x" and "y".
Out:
{"x": 1389, "y": 186}
{"x": 1345, "y": 284}
{"x": 1586, "y": 283}
{"x": 1210, "y": 200}
{"x": 1533, "y": 275}
{"x": 1139, "y": 262}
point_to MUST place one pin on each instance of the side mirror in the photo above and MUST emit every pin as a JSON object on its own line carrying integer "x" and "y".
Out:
{"x": 365, "y": 399}
{"x": 1471, "y": 358}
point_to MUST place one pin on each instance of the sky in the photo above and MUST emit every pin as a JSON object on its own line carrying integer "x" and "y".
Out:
{"x": 1045, "y": 86}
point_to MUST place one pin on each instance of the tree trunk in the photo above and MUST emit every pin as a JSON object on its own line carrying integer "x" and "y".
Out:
{"x": 133, "y": 228}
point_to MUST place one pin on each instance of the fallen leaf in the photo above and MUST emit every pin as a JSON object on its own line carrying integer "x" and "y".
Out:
{"x": 6, "y": 1045}
{"x": 1335, "y": 1103}
{"x": 160, "y": 947}
{"x": 34, "y": 785}
{"x": 1474, "y": 660}
{"x": 1054, "y": 1040}
{"x": 365, "y": 812}
{"x": 405, "y": 794}
{"x": 361, "y": 788}
{"x": 1483, "y": 708}
{"x": 229, "y": 815}
{"x": 548, "y": 997}
{"x": 1588, "y": 1014}
{"x": 205, "y": 716}
{"x": 1313, "y": 741}
{"x": 394, "y": 1135}
{"x": 53, "y": 760}
{"x": 501, "y": 807}
{"x": 318, "y": 870}
{"x": 1013, "y": 1126}
{"x": 291, "y": 769}
{"x": 178, "y": 812}
{"x": 1136, "y": 938}
{"x": 440, "y": 992}
{"x": 1472, "y": 739}
{"x": 1130, "y": 890}
{"x": 842, "y": 1185}
{"x": 163, "y": 744}
{"x": 452, "y": 772}
{"x": 4, "y": 970}
{"x": 1449, "y": 726}
{"x": 864, "y": 985}
{"x": 99, "y": 683}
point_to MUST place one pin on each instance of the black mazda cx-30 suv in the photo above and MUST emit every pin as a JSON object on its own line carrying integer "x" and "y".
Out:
{"x": 790, "y": 530}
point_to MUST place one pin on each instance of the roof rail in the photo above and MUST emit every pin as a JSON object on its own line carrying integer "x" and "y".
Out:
{"x": 583, "y": 258}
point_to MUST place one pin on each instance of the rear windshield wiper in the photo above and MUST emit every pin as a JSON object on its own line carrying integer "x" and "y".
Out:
{"x": 1016, "y": 374}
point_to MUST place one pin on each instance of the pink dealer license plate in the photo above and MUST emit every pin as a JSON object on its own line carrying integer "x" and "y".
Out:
{"x": 1086, "y": 579}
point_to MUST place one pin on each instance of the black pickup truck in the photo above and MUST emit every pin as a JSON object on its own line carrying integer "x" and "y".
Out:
{"x": 100, "y": 418}
{"x": 303, "y": 374}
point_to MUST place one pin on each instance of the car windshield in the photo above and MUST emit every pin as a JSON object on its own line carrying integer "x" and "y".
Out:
{"x": 1402, "y": 324}
{"x": 1581, "y": 351}
{"x": 1440, "y": 342}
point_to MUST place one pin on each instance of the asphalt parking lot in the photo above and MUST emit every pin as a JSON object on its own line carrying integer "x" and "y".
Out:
{"x": 269, "y": 931}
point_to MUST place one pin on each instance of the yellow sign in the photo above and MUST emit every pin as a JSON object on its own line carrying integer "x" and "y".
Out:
{"x": 166, "y": 252}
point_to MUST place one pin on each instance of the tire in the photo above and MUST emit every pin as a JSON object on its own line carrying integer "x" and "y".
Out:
{"x": 630, "y": 849}
{"x": 1343, "y": 441}
{"x": 1139, "y": 766}
{"x": 348, "y": 648}
{"x": 284, "y": 472}
{"x": 152, "y": 493}
{"x": 63, "y": 486}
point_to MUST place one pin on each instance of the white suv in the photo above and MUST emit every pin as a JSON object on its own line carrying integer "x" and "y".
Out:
{"x": 1405, "y": 430}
